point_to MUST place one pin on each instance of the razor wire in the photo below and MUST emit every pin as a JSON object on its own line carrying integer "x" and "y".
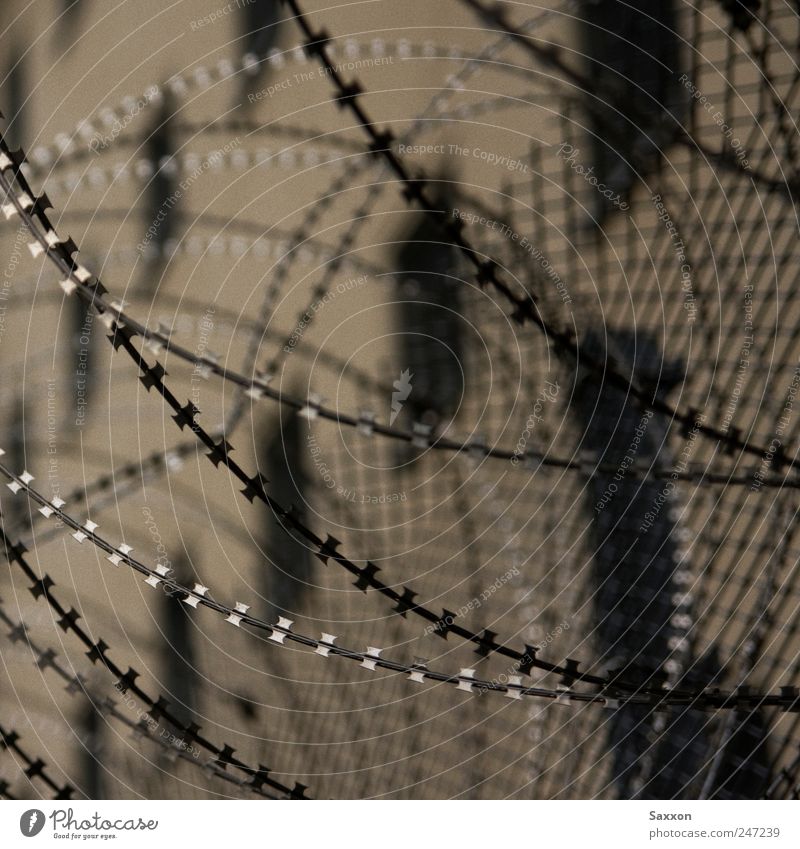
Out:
{"x": 311, "y": 408}
{"x": 486, "y": 269}
{"x": 121, "y": 335}
{"x": 160, "y": 576}
{"x": 35, "y": 767}
{"x": 585, "y": 464}
{"x": 202, "y": 77}
{"x": 258, "y": 388}
{"x": 42, "y": 588}
{"x": 453, "y": 84}
{"x": 76, "y": 684}
{"x": 612, "y": 691}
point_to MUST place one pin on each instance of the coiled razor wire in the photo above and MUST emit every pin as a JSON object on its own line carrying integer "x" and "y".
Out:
{"x": 258, "y": 388}
{"x": 76, "y": 684}
{"x": 487, "y": 272}
{"x": 116, "y": 320}
{"x": 123, "y": 329}
{"x": 366, "y": 422}
{"x": 613, "y": 691}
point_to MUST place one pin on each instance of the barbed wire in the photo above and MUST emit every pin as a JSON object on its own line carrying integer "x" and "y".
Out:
{"x": 788, "y": 776}
{"x": 366, "y": 423}
{"x": 317, "y": 354}
{"x": 525, "y": 308}
{"x": 156, "y": 463}
{"x": 203, "y": 77}
{"x": 47, "y": 658}
{"x": 238, "y": 245}
{"x": 760, "y": 622}
{"x": 254, "y": 488}
{"x": 310, "y": 409}
{"x": 42, "y": 588}
{"x": 160, "y": 576}
{"x": 132, "y": 470}
{"x": 278, "y": 633}
{"x": 788, "y": 699}
{"x": 47, "y": 160}
{"x": 35, "y": 767}
{"x": 565, "y": 339}
{"x": 51, "y": 245}
{"x": 219, "y": 452}
{"x": 531, "y": 459}
{"x": 258, "y": 388}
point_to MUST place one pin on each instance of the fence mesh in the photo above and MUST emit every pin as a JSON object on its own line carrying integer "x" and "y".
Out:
{"x": 486, "y": 319}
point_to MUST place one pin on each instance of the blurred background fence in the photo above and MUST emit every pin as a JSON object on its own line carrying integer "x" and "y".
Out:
{"x": 486, "y": 317}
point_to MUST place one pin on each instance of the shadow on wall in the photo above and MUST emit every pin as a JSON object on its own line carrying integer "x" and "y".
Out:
{"x": 287, "y": 568}
{"x": 431, "y": 331}
{"x": 633, "y": 55}
{"x": 637, "y": 555}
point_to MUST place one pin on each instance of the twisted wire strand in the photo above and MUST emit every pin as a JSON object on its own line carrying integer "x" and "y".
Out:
{"x": 98, "y": 653}
{"x": 612, "y": 691}
{"x": 487, "y": 270}
{"x": 259, "y": 389}
{"x": 47, "y": 658}
{"x": 348, "y": 97}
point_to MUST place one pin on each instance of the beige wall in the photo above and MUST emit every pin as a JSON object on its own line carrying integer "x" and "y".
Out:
{"x": 460, "y": 528}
